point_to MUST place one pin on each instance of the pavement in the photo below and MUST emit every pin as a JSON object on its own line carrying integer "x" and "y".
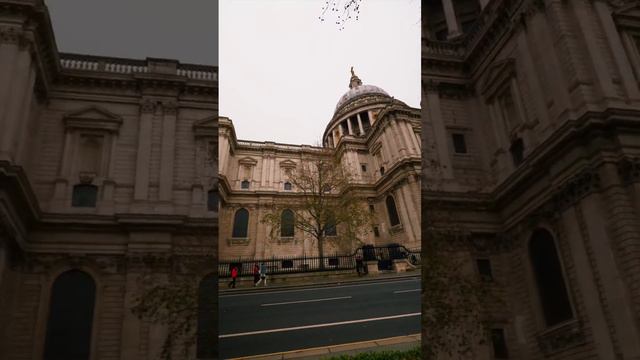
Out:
{"x": 315, "y": 321}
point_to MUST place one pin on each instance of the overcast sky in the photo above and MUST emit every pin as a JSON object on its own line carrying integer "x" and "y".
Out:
{"x": 184, "y": 30}
{"x": 282, "y": 71}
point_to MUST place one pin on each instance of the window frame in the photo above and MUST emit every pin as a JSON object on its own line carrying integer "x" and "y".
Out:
{"x": 235, "y": 232}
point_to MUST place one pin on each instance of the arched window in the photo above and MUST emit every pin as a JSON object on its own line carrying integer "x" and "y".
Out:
{"x": 70, "y": 320}
{"x": 287, "y": 223}
{"x": 240, "y": 223}
{"x": 84, "y": 195}
{"x": 207, "y": 320}
{"x": 212, "y": 200}
{"x": 287, "y": 185}
{"x": 549, "y": 278}
{"x": 393, "y": 212}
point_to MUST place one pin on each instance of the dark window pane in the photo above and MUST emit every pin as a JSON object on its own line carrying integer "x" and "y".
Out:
{"x": 366, "y": 124}
{"x": 212, "y": 200}
{"x": 330, "y": 229}
{"x": 244, "y": 184}
{"x": 459, "y": 143}
{"x": 549, "y": 278}
{"x": 287, "y": 264}
{"x": 499, "y": 344}
{"x": 70, "y": 317}
{"x": 240, "y": 223}
{"x": 287, "y": 186}
{"x": 84, "y": 195}
{"x": 484, "y": 269}
{"x": 376, "y": 231}
{"x": 363, "y": 167}
{"x": 287, "y": 223}
{"x": 381, "y": 170}
{"x": 393, "y": 212}
{"x": 207, "y": 320}
{"x": 517, "y": 152}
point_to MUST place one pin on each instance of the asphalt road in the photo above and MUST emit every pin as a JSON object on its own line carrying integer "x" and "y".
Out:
{"x": 284, "y": 320}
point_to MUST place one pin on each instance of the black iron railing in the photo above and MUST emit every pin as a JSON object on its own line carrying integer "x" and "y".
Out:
{"x": 302, "y": 264}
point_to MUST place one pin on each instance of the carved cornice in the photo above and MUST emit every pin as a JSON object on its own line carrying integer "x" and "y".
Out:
{"x": 561, "y": 338}
{"x": 575, "y": 189}
{"x": 170, "y": 108}
{"x": 93, "y": 118}
{"x": 629, "y": 170}
{"x": 147, "y": 106}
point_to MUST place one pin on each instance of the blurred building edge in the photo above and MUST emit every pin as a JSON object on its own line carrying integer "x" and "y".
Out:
{"x": 108, "y": 171}
{"x": 538, "y": 108}
{"x": 376, "y": 139}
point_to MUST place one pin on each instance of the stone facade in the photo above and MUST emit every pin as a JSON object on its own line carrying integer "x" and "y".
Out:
{"x": 105, "y": 167}
{"x": 543, "y": 94}
{"x": 375, "y": 137}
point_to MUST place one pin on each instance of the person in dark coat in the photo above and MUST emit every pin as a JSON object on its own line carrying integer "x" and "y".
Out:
{"x": 256, "y": 274}
{"x": 234, "y": 275}
{"x": 359, "y": 265}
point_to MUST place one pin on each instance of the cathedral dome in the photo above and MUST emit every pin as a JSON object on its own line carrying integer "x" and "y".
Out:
{"x": 356, "y": 89}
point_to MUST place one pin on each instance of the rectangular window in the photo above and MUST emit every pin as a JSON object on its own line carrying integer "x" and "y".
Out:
{"x": 363, "y": 167}
{"x": 376, "y": 231}
{"x": 366, "y": 123}
{"x": 371, "y": 208}
{"x": 517, "y": 152}
{"x": 484, "y": 269}
{"x": 499, "y": 344}
{"x": 459, "y": 143}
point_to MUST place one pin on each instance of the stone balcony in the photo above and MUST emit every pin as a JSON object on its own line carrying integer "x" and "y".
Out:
{"x": 90, "y": 63}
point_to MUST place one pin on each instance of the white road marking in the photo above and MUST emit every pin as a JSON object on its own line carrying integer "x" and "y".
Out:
{"x": 317, "y": 288}
{"x": 405, "y": 291}
{"x": 319, "y": 325}
{"x": 307, "y": 301}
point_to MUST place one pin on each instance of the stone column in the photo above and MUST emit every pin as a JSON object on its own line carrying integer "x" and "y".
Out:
{"x": 12, "y": 114}
{"x": 617, "y": 49}
{"x": 141, "y": 190}
{"x": 167, "y": 149}
{"x": 9, "y": 41}
{"x": 451, "y": 19}
{"x": 360, "y": 125}
{"x": 440, "y": 132}
{"x": 397, "y": 139}
{"x": 21, "y": 139}
{"x": 349, "y": 126}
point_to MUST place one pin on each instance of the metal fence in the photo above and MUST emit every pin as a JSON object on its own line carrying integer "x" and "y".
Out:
{"x": 301, "y": 264}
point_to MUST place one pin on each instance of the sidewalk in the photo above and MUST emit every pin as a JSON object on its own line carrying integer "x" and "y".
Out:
{"x": 389, "y": 344}
{"x": 246, "y": 285}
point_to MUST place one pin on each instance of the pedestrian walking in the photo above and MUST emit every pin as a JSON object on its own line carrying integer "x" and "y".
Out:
{"x": 359, "y": 264}
{"x": 263, "y": 274}
{"x": 256, "y": 274}
{"x": 234, "y": 275}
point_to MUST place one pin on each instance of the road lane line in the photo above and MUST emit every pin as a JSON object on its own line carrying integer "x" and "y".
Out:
{"x": 317, "y": 288}
{"x": 405, "y": 291}
{"x": 307, "y": 301}
{"x": 304, "y": 327}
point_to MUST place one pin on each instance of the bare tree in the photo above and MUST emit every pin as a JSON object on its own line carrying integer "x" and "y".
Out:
{"x": 326, "y": 202}
{"x": 342, "y": 10}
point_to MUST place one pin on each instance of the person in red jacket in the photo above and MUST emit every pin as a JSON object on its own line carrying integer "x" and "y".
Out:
{"x": 234, "y": 275}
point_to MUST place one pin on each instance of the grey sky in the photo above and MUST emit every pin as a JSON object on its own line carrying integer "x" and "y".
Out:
{"x": 282, "y": 71}
{"x": 184, "y": 30}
